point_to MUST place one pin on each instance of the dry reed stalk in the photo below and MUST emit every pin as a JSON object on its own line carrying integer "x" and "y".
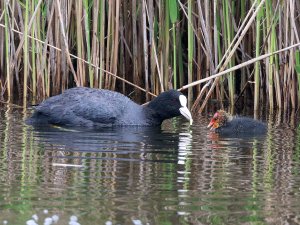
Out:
{"x": 145, "y": 47}
{"x": 79, "y": 43}
{"x": 46, "y": 62}
{"x": 154, "y": 59}
{"x": 239, "y": 66}
{"x": 33, "y": 56}
{"x": 199, "y": 54}
{"x": 87, "y": 40}
{"x": 122, "y": 53}
{"x": 110, "y": 59}
{"x": 190, "y": 52}
{"x": 84, "y": 61}
{"x": 9, "y": 79}
{"x": 108, "y": 44}
{"x": 150, "y": 17}
{"x": 62, "y": 29}
{"x": 243, "y": 33}
{"x": 102, "y": 42}
{"x": 95, "y": 43}
{"x": 116, "y": 44}
{"x": 137, "y": 53}
{"x": 25, "y": 53}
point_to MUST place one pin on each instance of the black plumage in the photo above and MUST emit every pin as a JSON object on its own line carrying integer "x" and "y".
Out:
{"x": 91, "y": 107}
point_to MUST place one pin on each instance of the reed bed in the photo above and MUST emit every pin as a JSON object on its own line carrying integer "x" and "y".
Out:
{"x": 145, "y": 47}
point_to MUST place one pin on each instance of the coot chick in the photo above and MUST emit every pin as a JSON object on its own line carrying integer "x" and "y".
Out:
{"x": 226, "y": 124}
{"x": 89, "y": 107}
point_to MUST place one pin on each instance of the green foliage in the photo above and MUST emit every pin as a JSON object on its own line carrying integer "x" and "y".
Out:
{"x": 173, "y": 10}
{"x": 297, "y": 66}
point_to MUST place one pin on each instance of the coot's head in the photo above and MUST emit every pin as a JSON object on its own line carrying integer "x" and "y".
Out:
{"x": 170, "y": 104}
{"x": 219, "y": 119}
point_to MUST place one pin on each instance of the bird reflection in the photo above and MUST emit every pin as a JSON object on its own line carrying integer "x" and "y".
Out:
{"x": 116, "y": 143}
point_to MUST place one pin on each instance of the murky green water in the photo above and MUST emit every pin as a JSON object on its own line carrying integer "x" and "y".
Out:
{"x": 174, "y": 175}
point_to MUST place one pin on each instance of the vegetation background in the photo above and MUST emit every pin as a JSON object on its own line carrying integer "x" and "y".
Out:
{"x": 152, "y": 45}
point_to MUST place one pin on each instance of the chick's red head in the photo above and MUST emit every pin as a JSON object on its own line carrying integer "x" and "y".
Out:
{"x": 218, "y": 120}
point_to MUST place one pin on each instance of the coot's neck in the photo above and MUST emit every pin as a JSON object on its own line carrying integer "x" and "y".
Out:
{"x": 152, "y": 117}
{"x": 155, "y": 113}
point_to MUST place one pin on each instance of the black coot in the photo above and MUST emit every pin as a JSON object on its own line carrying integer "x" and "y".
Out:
{"x": 224, "y": 123}
{"x": 91, "y": 107}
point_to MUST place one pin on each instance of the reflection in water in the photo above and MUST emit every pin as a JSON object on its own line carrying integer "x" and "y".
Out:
{"x": 172, "y": 175}
{"x": 184, "y": 146}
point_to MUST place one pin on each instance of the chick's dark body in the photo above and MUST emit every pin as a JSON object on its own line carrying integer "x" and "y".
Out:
{"x": 242, "y": 125}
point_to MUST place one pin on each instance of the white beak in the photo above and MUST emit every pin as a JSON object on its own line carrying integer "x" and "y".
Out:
{"x": 184, "y": 110}
{"x": 186, "y": 113}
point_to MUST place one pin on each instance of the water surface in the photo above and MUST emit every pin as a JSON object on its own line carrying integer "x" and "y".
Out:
{"x": 176, "y": 174}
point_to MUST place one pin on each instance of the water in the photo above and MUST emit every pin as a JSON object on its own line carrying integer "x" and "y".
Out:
{"x": 173, "y": 175}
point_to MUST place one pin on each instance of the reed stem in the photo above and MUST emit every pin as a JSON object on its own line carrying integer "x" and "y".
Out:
{"x": 257, "y": 64}
{"x": 7, "y": 54}
{"x": 190, "y": 52}
{"x": 25, "y": 53}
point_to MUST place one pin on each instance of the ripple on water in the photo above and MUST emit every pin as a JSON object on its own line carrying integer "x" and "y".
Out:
{"x": 177, "y": 174}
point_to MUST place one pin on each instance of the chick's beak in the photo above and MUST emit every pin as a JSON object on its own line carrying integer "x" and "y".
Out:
{"x": 213, "y": 125}
{"x": 210, "y": 124}
{"x": 186, "y": 113}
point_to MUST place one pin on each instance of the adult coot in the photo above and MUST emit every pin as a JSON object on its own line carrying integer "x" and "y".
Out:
{"x": 91, "y": 107}
{"x": 224, "y": 123}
